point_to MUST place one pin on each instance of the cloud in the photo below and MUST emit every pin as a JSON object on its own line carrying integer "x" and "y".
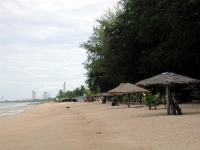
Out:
{"x": 39, "y": 44}
{"x": 35, "y": 68}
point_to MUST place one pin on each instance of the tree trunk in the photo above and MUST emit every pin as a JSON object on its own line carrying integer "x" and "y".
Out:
{"x": 167, "y": 99}
{"x": 173, "y": 108}
{"x": 177, "y": 107}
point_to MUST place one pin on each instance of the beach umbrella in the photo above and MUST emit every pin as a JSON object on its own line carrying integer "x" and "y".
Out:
{"x": 127, "y": 88}
{"x": 168, "y": 79}
{"x": 96, "y": 95}
{"x": 103, "y": 95}
{"x": 190, "y": 88}
{"x": 106, "y": 94}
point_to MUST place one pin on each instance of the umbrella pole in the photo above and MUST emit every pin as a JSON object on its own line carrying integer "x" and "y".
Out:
{"x": 167, "y": 98}
{"x": 128, "y": 100}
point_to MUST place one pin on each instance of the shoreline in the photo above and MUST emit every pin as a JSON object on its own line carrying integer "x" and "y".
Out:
{"x": 15, "y": 108}
{"x": 100, "y": 126}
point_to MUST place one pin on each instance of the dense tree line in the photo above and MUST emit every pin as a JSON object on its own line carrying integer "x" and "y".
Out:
{"x": 78, "y": 91}
{"x": 138, "y": 39}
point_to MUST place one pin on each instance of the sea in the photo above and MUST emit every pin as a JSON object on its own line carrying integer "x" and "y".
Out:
{"x": 10, "y": 108}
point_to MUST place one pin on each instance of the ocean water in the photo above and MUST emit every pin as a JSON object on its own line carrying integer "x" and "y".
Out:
{"x": 14, "y": 108}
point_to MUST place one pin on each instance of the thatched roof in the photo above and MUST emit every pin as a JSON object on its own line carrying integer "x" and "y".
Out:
{"x": 168, "y": 79}
{"x": 103, "y": 95}
{"x": 190, "y": 88}
{"x": 126, "y": 88}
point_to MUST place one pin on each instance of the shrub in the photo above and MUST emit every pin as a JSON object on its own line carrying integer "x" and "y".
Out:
{"x": 152, "y": 100}
{"x": 155, "y": 100}
{"x": 147, "y": 99}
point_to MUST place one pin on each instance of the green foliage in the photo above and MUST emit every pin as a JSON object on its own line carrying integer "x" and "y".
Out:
{"x": 152, "y": 100}
{"x": 142, "y": 38}
{"x": 135, "y": 97}
{"x": 155, "y": 101}
{"x": 147, "y": 100}
{"x": 79, "y": 91}
{"x": 125, "y": 98}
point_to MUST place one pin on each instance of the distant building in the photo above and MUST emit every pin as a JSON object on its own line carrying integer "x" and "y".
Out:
{"x": 33, "y": 94}
{"x": 45, "y": 95}
{"x": 65, "y": 87}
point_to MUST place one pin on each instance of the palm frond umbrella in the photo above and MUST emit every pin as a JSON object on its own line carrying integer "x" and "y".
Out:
{"x": 168, "y": 79}
{"x": 106, "y": 94}
{"x": 127, "y": 88}
{"x": 103, "y": 95}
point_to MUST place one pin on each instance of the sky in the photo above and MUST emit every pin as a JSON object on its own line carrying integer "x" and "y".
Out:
{"x": 40, "y": 44}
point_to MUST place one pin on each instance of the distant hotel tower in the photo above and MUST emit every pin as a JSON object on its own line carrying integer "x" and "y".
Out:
{"x": 65, "y": 87}
{"x": 33, "y": 94}
{"x": 45, "y": 95}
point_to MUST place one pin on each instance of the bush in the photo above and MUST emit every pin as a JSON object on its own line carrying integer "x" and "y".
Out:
{"x": 152, "y": 100}
{"x": 155, "y": 101}
{"x": 135, "y": 98}
{"x": 164, "y": 100}
{"x": 147, "y": 99}
{"x": 125, "y": 98}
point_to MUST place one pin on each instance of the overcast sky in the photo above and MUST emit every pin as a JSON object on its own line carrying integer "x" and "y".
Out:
{"x": 39, "y": 44}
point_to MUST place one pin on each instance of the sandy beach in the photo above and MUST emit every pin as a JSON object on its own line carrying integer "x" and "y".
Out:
{"x": 89, "y": 126}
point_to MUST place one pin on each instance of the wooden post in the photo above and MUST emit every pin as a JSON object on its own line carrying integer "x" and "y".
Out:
{"x": 128, "y": 100}
{"x": 167, "y": 99}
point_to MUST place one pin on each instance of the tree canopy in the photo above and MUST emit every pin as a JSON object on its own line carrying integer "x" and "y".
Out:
{"x": 138, "y": 39}
{"x": 78, "y": 91}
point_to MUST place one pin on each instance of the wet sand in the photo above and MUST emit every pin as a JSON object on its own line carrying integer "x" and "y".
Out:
{"x": 89, "y": 126}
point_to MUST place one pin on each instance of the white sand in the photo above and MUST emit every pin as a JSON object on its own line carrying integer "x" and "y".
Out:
{"x": 51, "y": 126}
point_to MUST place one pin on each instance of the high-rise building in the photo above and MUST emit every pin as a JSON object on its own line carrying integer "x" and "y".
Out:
{"x": 45, "y": 95}
{"x": 33, "y": 94}
{"x": 65, "y": 87}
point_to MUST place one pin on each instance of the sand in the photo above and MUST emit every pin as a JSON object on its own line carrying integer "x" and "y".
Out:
{"x": 91, "y": 126}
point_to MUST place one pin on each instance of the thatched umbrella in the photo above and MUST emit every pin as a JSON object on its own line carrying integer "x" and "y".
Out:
{"x": 168, "y": 80}
{"x": 127, "y": 88}
{"x": 104, "y": 95}
{"x": 190, "y": 88}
